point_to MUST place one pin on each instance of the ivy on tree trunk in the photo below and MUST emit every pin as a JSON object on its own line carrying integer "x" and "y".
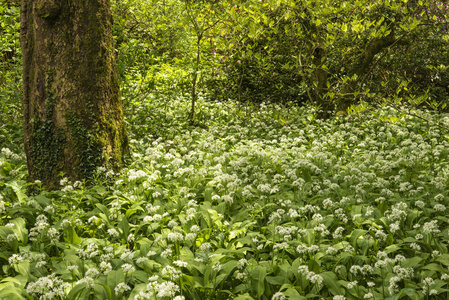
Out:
{"x": 72, "y": 112}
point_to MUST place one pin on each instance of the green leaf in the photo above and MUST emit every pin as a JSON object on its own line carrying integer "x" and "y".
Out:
{"x": 444, "y": 259}
{"x": 258, "y": 280}
{"x": 244, "y": 297}
{"x": 70, "y": 236}
{"x": 42, "y": 200}
{"x": 124, "y": 226}
{"x": 435, "y": 267}
{"x": 73, "y": 294}
{"x": 356, "y": 234}
{"x": 406, "y": 292}
{"x": 331, "y": 282}
{"x": 412, "y": 262}
{"x": 208, "y": 194}
{"x": 275, "y": 280}
{"x": 20, "y": 229}
{"x": 114, "y": 278}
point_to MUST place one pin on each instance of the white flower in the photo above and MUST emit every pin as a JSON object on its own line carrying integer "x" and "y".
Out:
{"x": 167, "y": 289}
{"x": 171, "y": 273}
{"x": 431, "y": 227}
{"x": 394, "y": 227}
{"x": 195, "y": 229}
{"x": 105, "y": 267}
{"x": 113, "y": 233}
{"x": 241, "y": 263}
{"x": 331, "y": 251}
{"x": 11, "y": 237}
{"x": 49, "y": 209}
{"x": 172, "y": 224}
{"x": 167, "y": 252}
{"x": 316, "y": 279}
{"x": 41, "y": 264}
{"x": 352, "y": 284}
{"x": 53, "y": 235}
{"x": 439, "y": 197}
{"x": 205, "y": 247}
{"x": 128, "y": 268}
{"x": 15, "y": 259}
{"x": 274, "y": 218}
{"x": 92, "y": 272}
{"x": 439, "y": 207}
{"x": 175, "y": 237}
{"x": 48, "y": 287}
{"x": 278, "y": 296}
{"x": 420, "y": 204}
{"x": 338, "y": 232}
{"x": 127, "y": 255}
{"x": 72, "y": 268}
{"x": 141, "y": 259}
{"x": 240, "y": 276}
{"x": 121, "y": 288}
{"x": 143, "y": 296}
{"x": 433, "y": 292}
{"x": 216, "y": 267}
{"x": 180, "y": 263}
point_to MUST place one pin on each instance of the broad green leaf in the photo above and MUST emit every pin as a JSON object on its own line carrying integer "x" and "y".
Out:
{"x": 444, "y": 259}
{"x": 331, "y": 282}
{"x": 406, "y": 292}
{"x": 258, "y": 280}
{"x": 412, "y": 262}
{"x": 74, "y": 292}
{"x": 356, "y": 234}
{"x": 435, "y": 267}
{"x": 70, "y": 236}
{"x": 115, "y": 277}
{"x": 244, "y": 297}
{"x": 20, "y": 229}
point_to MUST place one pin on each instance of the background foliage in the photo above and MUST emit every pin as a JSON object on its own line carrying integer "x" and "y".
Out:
{"x": 251, "y": 195}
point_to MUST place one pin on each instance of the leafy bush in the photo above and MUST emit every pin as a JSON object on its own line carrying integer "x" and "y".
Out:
{"x": 10, "y": 77}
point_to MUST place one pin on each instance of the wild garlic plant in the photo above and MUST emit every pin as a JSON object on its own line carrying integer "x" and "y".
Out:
{"x": 268, "y": 205}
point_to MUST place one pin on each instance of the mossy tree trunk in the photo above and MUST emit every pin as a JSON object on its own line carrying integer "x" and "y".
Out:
{"x": 362, "y": 67}
{"x": 73, "y": 117}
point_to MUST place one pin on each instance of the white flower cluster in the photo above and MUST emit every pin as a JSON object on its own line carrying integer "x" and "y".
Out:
{"x": 39, "y": 227}
{"x": 303, "y": 248}
{"x": 311, "y": 276}
{"x": 48, "y": 288}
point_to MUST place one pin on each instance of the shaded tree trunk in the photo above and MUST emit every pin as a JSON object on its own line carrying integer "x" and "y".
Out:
{"x": 72, "y": 112}
{"x": 362, "y": 67}
{"x": 320, "y": 81}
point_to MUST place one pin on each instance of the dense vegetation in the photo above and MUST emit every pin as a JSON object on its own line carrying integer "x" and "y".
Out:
{"x": 253, "y": 195}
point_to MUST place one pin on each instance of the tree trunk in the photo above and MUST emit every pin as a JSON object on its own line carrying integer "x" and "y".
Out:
{"x": 320, "y": 81}
{"x": 362, "y": 66}
{"x": 72, "y": 112}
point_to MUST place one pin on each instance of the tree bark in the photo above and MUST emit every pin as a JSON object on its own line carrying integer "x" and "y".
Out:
{"x": 72, "y": 112}
{"x": 361, "y": 67}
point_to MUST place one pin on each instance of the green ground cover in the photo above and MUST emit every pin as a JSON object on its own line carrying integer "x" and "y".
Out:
{"x": 256, "y": 203}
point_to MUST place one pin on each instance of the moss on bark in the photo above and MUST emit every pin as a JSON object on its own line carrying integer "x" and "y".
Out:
{"x": 73, "y": 117}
